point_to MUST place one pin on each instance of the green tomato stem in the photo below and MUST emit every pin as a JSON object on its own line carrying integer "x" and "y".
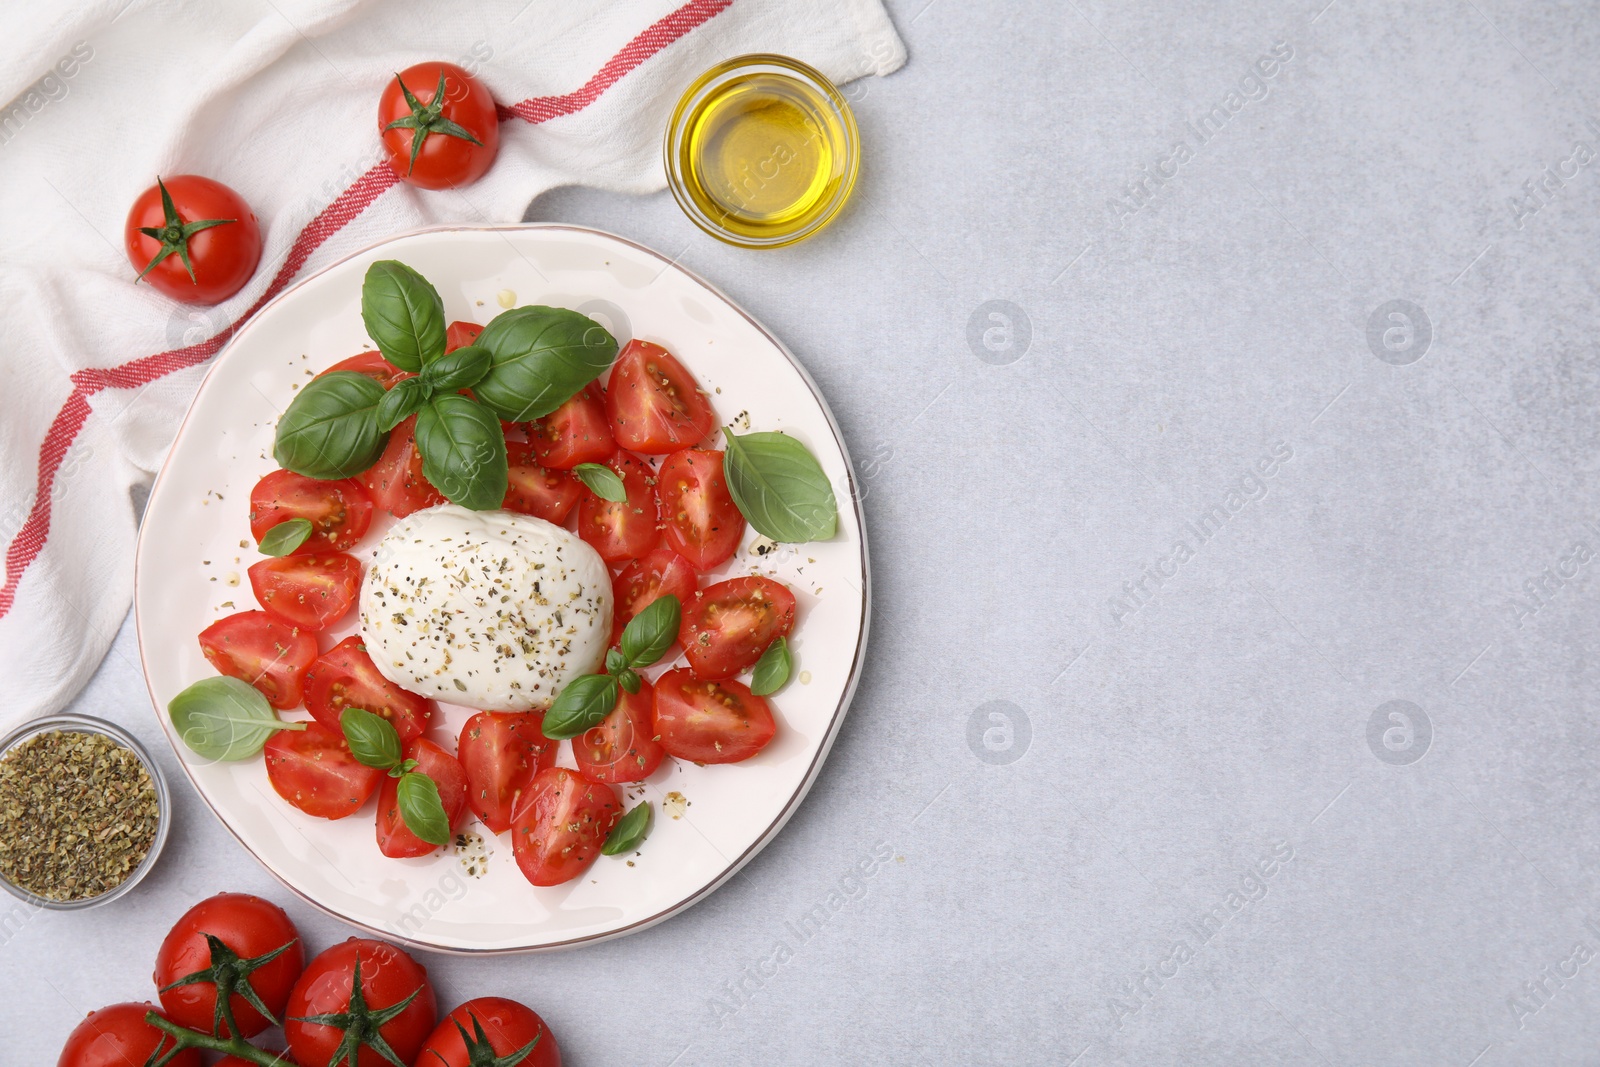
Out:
{"x": 232, "y": 1046}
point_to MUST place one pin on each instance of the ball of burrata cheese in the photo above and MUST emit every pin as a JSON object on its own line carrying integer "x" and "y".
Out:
{"x": 488, "y": 609}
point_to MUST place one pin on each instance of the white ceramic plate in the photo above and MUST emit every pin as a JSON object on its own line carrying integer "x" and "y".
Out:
{"x": 191, "y": 571}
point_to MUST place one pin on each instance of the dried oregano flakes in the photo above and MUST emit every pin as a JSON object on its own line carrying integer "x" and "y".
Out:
{"x": 78, "y": 814}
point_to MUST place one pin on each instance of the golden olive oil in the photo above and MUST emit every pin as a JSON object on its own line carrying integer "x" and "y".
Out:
{"x": 766, "y": 157}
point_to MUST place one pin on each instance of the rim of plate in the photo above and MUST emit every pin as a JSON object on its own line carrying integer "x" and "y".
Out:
{"x": 834, "y": 723}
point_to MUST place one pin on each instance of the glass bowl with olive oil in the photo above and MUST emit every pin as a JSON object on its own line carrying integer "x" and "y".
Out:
{"x": 762, "y": 151}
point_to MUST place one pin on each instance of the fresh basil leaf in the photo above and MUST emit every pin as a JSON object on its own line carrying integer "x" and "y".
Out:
{"x": 615, "y": 662}
{"x": 463, "y": 451}
{"x": 582, "y": 704}
{"x": 629, "y": 832}
{"x": 331, "y": 428}
{"x": 628, "y": 678}
{"x": 225, "y": 719}
{"x": 403, "y": 314}
{"x": 285, "y": 537}
{"x": 461, "y": 369}
{"x": 401, "y": 401}
{"x": 371, "y": 739}
{"x": 779, "y": 487}
{"x": 421, "y": 809}
{"x": 772, "y": 669}
{"x": 650, "y": 633}
{"x": 540, "y": 357}
{"x": 604, "y": 482}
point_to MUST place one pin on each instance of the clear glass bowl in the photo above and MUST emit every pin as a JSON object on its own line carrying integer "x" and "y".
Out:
{"x": 706, "y": 193}
{"x": 89, "y": 725}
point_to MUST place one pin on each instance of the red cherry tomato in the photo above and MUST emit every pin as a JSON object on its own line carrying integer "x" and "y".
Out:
{"x": 374, "y": 366}
{"x": 256, "y": 648}
{"x": 654, "y": 404}
{"x": 234, "y": 1061}
{"x": 728, "y": 626}
{"x": 576, "y": 432}
{"x": 250, "y": 927}
{"x": 118, "y": 1036}
{"x": 531, "y": 490}
{"x": 314, "y": 770}
{"x": 388, "y": 976}
{"x": 454, "y": 117}
{"x": 394, "y": 837}
{"x": 626, "y": 529}
{"x": 710, "y": 722}
{"x": 506, "y": 1028}
{"x": 339, "y": 511}
{"x": 209, "y": 224}
{"x": 644, "y": 580}
{"x": 559, "y": 825}
{"x": 395, "y": 482}
{"x": 460, "y": 334}
{"x": 501, "y": 751}
{"x": 622, "y": 746}
{"x": 345, "y": 677}
{"x": 311, "y": 592}
{"x": 699, "y": 519}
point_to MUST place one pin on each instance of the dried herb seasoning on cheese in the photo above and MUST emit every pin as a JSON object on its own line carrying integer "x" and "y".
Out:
{"x": 78, "y": 814}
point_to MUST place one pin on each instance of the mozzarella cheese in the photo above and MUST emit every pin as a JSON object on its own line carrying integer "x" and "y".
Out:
{"x": 488, "y": 609}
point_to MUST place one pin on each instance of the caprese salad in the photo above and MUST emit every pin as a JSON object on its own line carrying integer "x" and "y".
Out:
{"x": 558, "y": 507}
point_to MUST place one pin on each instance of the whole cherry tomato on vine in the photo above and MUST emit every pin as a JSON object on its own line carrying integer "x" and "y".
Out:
{"x": 192, "y": 238}
{"x": 440, "y": 126}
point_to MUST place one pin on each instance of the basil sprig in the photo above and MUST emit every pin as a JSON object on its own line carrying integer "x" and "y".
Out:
{"x": 285, "y": 537}
{"x": 331, "y": 429}
{"x": 540, "y": 358}
{"x": 588, "y": 699}
{"x": 527, "y": 362}
{"x": 772, "y": 669}
{"x": 629, "y": 832}
{"x": 225, "y": 719}
{"x": 374, "y": 742}
{"x": 602, "y": 481}
{"x": 779, "y": 486}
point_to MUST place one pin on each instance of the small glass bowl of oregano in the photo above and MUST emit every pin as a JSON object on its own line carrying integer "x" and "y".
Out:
{"x": 83, "y": 812}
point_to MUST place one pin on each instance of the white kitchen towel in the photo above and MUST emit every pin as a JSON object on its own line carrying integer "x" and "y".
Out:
{"x": 278, "y": 99}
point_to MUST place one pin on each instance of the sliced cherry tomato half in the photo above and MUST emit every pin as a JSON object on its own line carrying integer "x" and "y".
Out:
{"x": 507, "y": 1027}
{"x": 501, "y": 752}
{"x": 560, "y": 823}
{"x": 374, "y": 366}
{"x": 251, "y": 928}
{"x": 699, "y": 519}
{"x": 578, "y": 431}
{"x": 444, "y": 159}
{"x": 388, "y": 977}
{"x": 646, "y": 579}
{"x": 395, "y": 839}
{"x": 621, "y": 530}
{"x": 728, "y": 626}
{"x": 345, "y": 677}
{"x": 708, "y": 721}
{"x": 622, "y": 747}
{"x": 532, "y": 490}
{"x": 460, "y": 334}
{"x": 314, "y": 770}
{"x": 340, "y": 511}
{"x": 256, "y": 648}
{"x": 654, "y": 404}
{"x": 311, "y": 592}
{"x": 118, "y": 1036}
{"x": 395, "y": 482}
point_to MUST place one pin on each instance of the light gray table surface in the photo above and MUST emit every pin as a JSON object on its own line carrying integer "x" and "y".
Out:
{"x": 1146, "y": 804}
